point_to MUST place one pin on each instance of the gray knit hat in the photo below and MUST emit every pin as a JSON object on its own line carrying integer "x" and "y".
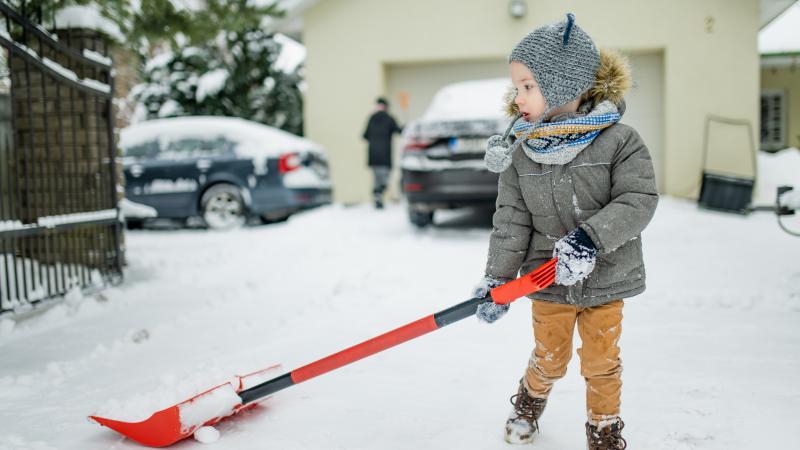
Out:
{"x": 563, "y": 60}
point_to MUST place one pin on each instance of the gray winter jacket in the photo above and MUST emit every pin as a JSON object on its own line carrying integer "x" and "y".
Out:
{"x": 609, "y": 190}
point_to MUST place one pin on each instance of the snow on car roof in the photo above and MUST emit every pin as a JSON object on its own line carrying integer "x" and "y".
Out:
{"x": 469, "y": 100}
{"x": 255, "y": 140}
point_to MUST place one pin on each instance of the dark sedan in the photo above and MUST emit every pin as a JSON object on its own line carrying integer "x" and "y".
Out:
{"x": 222, "y": 170}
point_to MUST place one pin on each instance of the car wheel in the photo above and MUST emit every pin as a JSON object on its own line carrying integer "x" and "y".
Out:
{"x": 222, "y": 207}
{"x": 270, "y": 218}
{"x": 421, "y": 219}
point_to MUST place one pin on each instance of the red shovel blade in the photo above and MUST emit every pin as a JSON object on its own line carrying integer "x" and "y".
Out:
{"x": 159, "y": 430}
{"x": 535, "y": 281}
{"x": 180, "y": 421}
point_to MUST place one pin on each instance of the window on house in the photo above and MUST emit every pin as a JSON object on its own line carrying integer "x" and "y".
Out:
{"x": 773, "y": 120}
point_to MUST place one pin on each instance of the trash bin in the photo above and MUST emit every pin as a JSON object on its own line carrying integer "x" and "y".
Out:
{"x": 727, "y": 192}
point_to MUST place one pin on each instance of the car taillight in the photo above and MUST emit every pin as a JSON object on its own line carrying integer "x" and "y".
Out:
{"x": 289, "y": 162}
{"x": 415, "y": 145}
{"x": 412, "y": 187}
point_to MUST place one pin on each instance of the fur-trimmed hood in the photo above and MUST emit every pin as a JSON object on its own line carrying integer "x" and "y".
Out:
{"x": 612, "y": 82}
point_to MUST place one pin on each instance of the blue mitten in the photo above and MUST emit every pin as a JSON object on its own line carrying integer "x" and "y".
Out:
{"x": 489, "y": 312}
{"x": 576, "y": 255}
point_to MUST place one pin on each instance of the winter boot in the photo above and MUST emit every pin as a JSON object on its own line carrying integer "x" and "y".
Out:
{"x": 607, "y": 438}
{"x": 523, "y": 422}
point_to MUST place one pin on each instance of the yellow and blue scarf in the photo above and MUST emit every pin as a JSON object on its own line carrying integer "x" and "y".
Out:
{"x": 560, "y": 142}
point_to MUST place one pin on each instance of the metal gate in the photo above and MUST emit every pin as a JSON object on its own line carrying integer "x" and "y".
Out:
{"x": 59, "y": 218}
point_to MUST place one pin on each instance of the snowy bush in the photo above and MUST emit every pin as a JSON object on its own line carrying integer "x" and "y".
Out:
{"x": 233, "y": 75}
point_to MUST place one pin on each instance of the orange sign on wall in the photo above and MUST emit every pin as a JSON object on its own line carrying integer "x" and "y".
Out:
{"x": 402, "y": 96}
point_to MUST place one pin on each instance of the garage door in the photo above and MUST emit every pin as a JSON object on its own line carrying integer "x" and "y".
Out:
{"x": 417, "y": 83}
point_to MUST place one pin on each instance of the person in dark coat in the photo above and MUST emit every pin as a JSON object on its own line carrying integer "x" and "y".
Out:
{"x": 380, "y": 129}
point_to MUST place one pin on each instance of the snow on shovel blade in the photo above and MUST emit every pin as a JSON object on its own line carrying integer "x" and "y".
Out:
{"x": 179, "y": 421}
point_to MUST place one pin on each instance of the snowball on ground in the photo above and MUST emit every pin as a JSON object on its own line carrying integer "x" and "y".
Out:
{"x": 206, "y": 435}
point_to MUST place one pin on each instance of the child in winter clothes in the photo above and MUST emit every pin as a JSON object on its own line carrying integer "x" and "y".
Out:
{"x": 577, "y": 185}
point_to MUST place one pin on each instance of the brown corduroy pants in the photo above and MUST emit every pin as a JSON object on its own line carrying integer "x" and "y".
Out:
{"x": 600, "y": 328}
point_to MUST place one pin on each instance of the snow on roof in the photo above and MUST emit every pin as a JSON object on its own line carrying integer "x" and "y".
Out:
{"x": 776, "y": 169}
{"x": 87, "y": 16}
{"x": 782, "y": 35}
{"x": 255, "y": 140}
{"x": 468, "y": 100}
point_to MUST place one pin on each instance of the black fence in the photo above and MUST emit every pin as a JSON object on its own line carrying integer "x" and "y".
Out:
{"x": 59, "y": 215}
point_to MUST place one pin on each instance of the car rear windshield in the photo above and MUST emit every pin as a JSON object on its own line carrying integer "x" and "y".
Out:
{"x": 142, "y": 151}
{"x": 197, "y": 148}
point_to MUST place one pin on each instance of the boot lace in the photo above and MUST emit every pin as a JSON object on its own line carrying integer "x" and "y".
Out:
{"x": 608, "y": 438}
{"x": 528, "y": 408}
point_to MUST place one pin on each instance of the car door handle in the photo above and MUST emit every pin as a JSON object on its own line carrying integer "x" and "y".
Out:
{"x": 137, "y": 170}
{"x": 203, "y": 164}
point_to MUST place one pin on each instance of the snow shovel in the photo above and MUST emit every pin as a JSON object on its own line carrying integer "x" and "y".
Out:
{"x": 180, "y": 421}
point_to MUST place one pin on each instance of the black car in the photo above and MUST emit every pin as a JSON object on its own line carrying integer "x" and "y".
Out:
{"x": 222, "y": 170}
{"x": 442, "y": 162}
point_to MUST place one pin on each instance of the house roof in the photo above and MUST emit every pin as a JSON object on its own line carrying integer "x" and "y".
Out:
{"x": 770, "y": 9}
{"x": 781, "y": 37}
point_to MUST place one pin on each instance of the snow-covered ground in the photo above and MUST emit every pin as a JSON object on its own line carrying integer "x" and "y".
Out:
{"x": 711, "y": 350}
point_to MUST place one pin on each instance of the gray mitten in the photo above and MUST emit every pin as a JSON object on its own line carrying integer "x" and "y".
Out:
{"x": 498, "y": 154}
{"x": 489, "y": 312}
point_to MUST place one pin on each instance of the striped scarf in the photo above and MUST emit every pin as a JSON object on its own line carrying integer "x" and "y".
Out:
{"x": 560, "y": 142}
